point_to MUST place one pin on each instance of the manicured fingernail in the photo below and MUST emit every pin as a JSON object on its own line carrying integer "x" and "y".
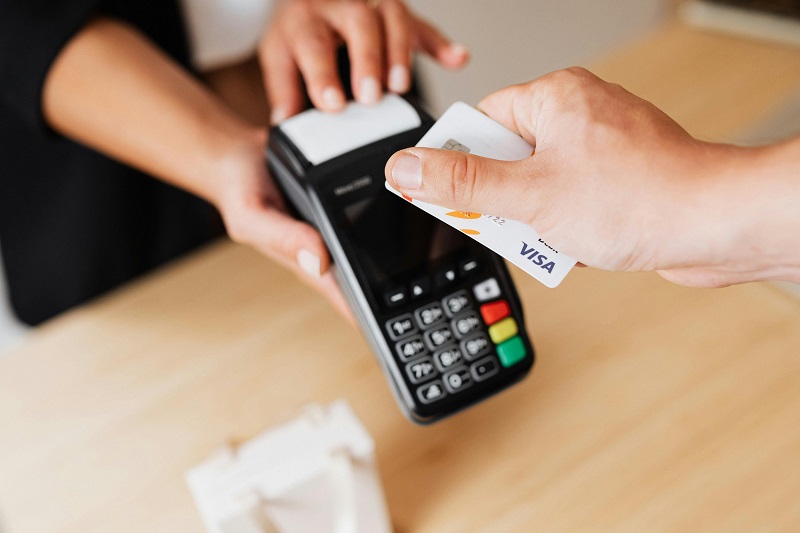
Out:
{"x": 370, "y": 91}
{"x": 407, "y": 172}
{"x": 459, "y": 50}
{"x": 398, "y": 79}
{"x": 455, "y": 55}
{"x": 332, "y": 99}
{"x": 309, "y": 262}
{"x": 277, "y": 116}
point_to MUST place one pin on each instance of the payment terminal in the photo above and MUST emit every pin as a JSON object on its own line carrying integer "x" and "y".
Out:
{"x": 439, "y": 310}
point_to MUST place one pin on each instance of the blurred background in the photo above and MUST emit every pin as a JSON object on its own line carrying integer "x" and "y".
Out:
{"x": 512, "y": 41}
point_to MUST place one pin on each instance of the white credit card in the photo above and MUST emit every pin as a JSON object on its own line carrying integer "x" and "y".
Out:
{"x": 466, "y": 129}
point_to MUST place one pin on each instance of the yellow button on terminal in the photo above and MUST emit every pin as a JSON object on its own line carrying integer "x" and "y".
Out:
{"x": 503, "y": 330}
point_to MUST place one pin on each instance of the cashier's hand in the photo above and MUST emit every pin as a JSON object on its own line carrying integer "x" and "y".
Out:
{"x": 301, "y": 41}
{"x": 614, "y": 182}
{"x": 255, "y": 214}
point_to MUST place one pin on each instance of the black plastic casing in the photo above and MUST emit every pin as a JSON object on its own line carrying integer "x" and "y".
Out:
{"x": 310, "y": 190}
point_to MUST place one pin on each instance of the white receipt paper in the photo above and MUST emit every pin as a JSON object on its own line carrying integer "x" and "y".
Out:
{"x": 323, "y": 136}
{"x": 464, "y": 128}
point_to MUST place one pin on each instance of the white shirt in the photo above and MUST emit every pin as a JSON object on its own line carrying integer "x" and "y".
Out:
{"x": 224, "y": 32}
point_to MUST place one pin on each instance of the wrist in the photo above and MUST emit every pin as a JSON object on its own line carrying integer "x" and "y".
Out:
{"x": 771, "y": 218}
{"x": 237, "y": 157}
{"x": 746, "y": 220}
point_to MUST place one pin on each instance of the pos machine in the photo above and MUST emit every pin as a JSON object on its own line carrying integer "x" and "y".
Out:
{"x": 439, "y": 310}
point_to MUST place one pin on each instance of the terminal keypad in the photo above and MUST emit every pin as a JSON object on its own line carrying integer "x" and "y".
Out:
{"x": 467, "y": 337}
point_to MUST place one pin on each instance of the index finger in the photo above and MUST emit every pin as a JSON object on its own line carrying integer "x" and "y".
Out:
{"x": 314, "y": 49}
{"x": 513, "y": 107}
{"x": 281, "y": 80}
{"x": 359, "y": 26}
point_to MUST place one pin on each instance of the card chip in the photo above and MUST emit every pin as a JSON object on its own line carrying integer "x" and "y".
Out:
{"x": 455, "y": 146}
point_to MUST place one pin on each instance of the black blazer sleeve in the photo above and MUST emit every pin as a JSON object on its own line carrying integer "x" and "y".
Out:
{"x": 32, "y": 33}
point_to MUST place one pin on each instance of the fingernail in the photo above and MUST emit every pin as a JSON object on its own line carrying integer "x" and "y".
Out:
{"x": 370, "y": 91}
{"x": 398, "y": 79}
{"x": 407, "y": 172}
{"x": 277, "y": 116}
{"x": 332, "y": 99}
{"x": 459, "y": 50}
{"x": 456, "y": 55}
{"x": 309, "y": 263}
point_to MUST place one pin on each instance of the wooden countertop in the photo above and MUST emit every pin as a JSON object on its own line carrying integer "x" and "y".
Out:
{"x": 651, "y": 406}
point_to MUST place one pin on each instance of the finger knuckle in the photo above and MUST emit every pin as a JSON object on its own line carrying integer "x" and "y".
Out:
{"x": 578, "y": 72}
{"x": 394, "y": 6}
{"x": 573, "y": 91}
{"x": 464, "y": 173}
{"x": 359, "y": 13}
{"x": 573, "y": 79}
{"x": 316, "y": 39}
{"x": 300, "y": 8}
{"x": 372, "y": 57}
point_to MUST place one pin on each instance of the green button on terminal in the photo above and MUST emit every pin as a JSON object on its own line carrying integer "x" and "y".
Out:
{"x": 511, "y": 351}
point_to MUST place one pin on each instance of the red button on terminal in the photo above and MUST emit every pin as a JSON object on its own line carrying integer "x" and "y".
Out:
{"x": 492, "y": 312}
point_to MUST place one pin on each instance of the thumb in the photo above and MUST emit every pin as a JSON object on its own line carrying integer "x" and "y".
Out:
{"x": 464, "y": 182}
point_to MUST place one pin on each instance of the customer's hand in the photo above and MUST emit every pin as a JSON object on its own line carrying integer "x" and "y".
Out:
{"x": 300, "y": 47}
{"x": 614, "y": 182}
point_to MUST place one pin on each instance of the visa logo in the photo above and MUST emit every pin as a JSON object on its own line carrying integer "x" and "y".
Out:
{"x": 535, "y": 257}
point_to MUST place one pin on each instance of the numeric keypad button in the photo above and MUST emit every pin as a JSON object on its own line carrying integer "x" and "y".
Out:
{"x": 476, "y": 345}
{"x": 485, "y": 368}
{"x": 429, "y": 315}
{"x": 401, "y": 326}
{"x": 421, "y": 370}
{"x": 466, "y": 323}
{"x": 447, "y": 358}
{"x": 457, "y": 380}
{"x": 456, "y": 303}
{"x": 438, "y": 337}
{"x": 410, "y": 348}
{"x": 431, "y": 392}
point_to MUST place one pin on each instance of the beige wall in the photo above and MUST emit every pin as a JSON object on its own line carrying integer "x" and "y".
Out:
{"x": 517, "y": 40}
